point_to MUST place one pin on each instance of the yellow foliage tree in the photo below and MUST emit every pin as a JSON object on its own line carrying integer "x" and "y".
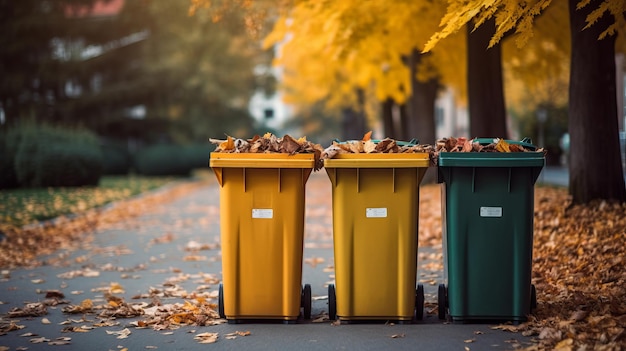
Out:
{"x": 538, "y": 72}
{"x": 597, "y": 27}
{"x": 337, "y": 51}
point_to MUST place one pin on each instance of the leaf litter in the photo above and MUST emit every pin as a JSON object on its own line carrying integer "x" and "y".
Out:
{"x": 270, "y": 143}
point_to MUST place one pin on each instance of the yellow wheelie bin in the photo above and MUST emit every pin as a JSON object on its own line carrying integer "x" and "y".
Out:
{"x": 375, "y": 201}
{"x": 262, "y": 233}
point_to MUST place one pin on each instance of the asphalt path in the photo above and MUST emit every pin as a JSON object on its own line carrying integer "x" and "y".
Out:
{"x": 176, "y": 244}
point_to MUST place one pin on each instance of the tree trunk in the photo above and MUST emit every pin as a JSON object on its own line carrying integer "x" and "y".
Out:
{"x": 487, "y": 111}
{"x": 421, "y": 105}
{"x": 353, "y": 123}
{"x": 595, "y": 169}
{"x": 387, "y": 117}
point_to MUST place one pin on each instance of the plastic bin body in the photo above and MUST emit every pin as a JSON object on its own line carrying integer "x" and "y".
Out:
{"x": 262, "y": 227}
{"x": 487, "y": 204}
{"x": 375, "y": 210}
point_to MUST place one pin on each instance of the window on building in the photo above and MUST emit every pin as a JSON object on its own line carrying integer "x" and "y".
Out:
{"x": 268, "y": 113}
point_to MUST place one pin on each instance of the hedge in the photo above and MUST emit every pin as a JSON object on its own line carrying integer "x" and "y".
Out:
{"x": 169, "y": 159}
{"x": 45, "y": 156}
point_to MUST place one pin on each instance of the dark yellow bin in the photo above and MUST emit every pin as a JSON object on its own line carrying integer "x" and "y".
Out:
{"x": 262, "y": 229}
{"x": 375, "y": 218}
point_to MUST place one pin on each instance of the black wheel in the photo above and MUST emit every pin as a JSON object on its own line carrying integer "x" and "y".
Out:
{"x": 332, "y": 302}
{"x": 220, "y": 301}
{"x": 442, "y": 301}
{"x": 533, "y": 298}
{"x": 306, "y": 301}
{"x": 419, "y": 302}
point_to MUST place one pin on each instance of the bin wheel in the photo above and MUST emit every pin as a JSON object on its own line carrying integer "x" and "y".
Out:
{"x": 220, "y": 301}
{"x": 306, "y": 301}
{"x": 419, "y": 302}
{"x": 533, "y": 298}
{"x": 332, "y": 302}
{"x": 442, "y": 301}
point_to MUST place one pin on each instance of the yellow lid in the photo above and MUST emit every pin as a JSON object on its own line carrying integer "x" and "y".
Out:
{"x": 378, "y": 160}
{"x": 261, "y": 160}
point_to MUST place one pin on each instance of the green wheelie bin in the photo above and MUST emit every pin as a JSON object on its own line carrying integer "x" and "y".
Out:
{"x": 487, "y": 215}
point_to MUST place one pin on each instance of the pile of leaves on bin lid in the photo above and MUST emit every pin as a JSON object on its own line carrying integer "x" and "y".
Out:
{"x": 462, "y": 144}
{"x": 270, "y": 143}
{"x": 368, "y": 146}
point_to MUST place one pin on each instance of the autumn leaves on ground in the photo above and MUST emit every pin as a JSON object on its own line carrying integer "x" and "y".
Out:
{"x": 578, "y": 267}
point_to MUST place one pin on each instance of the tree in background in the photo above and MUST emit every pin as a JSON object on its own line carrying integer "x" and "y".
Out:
{"x": 364, "y": 46}
{"x": 595, "y": 167}
{"x": 196, "y": 74}
{"x": 190, "y": 77}
{"x": 33, "y": 63}
{"x": 537, "y": 81}
{"x": 486, "y": 105}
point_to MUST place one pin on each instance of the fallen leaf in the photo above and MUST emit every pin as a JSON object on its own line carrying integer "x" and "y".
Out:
{"x": 367, "y": 136}
{"x": 30, "y": 310}
{"x": 39, "y": 340}
{"x": 564, "y": 345}
{"x": 60, "y": 341}
{"x": 116, "y": 288}
{"x": 289, "y": 145}
{"x": 314, "y": 261}
{"x": 578, "y": 315}
{"x": 121, "y": 334}
{"x": 502, "y": 146}
{"x": 229, "y": 144}
{"x": 194, "y": 258}
{"x": 369, "y": 147}
{"x": 54, "y": 294}
{"x": 206, "y": 338}
{"x": 506, "y": 327}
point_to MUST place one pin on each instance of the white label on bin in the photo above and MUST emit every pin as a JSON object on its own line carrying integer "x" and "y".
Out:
{"x": 491, "y": 211}
{"x": 262, "y": 213}
{"x": 376, "y": 212}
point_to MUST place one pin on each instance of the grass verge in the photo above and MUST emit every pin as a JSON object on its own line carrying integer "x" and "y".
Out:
{"x": 19, "y": 207}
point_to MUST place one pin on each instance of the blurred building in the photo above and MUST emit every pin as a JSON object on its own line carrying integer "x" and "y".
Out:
{"x": 451, "y": 119}
{"x": 269, "y": 111}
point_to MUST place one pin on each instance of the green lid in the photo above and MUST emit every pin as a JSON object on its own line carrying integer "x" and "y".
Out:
{"x": 494, "y": 159}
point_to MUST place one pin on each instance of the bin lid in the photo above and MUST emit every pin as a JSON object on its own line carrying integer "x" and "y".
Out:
{"x": 494, "y": 159}
{"x": 491, "y": 159}
{"x": 261, "y": 160}
{"x": 379, "y": 160}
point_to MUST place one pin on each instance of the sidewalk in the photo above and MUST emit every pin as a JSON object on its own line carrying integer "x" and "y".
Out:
{"x": 554, "y": 175}
{"x": 173, "y": 252}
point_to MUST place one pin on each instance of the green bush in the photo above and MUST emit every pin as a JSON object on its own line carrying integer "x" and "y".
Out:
{"x": 9, "y": 142}
{"x": 116, "y": 160}
{"x": 55, "y": 156}
{"x": 166, "y": 159}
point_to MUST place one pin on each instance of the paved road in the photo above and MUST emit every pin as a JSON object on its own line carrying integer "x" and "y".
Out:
{"x": 174, "y": 247}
